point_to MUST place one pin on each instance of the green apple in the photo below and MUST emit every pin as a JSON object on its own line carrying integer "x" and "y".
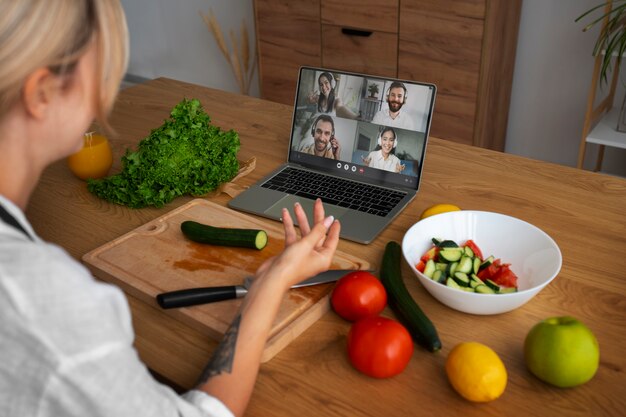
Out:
{"x": 562, "y": 351}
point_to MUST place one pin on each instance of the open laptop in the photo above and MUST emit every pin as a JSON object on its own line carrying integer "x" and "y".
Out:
{"x": 364, "y": 164}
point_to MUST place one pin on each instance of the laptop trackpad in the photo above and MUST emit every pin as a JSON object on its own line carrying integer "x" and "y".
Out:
{"x": 307, "y": 204}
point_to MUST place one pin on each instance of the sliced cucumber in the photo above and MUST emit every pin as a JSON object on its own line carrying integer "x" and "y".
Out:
{"x": 492, "y": 285}
{"x": 465, "y": 265}
{"x": 483, "y": 289}
{"x": 450, "y": 254}
{"x": 452, "y": 284}
{"x": 468, "y": 251}
{"x": 486, "y": 263}
{"x": 447, "y": 244}
{"x": 462, "y": 279}
{"x": 439, "y": 276}
{"x": 430, "y": 268}
{"x": 476, "y": 266}
{"x": 452, "y": 268}
{"x": 442, "y": 266}
{"x": 475, "y": 281}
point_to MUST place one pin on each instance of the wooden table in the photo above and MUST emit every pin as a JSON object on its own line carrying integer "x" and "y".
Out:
{"x": 584, "y": 212}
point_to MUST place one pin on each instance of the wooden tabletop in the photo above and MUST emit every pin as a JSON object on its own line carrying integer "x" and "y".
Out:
{"x": 584, "y": 212}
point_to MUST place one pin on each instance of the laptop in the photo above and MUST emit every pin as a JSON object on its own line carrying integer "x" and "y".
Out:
{"x": 347, "y": 148}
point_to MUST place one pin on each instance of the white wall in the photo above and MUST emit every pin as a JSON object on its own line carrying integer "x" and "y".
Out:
{"x": 551, "y": 83}
{"x": 550, "y": 86}
{"x": 170, "y": 39}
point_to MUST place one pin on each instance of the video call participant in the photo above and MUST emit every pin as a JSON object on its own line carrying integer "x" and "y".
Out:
{"x": 327, "y": 101}
{"x": 393, "y": 116}
{"x": 384, "y": 157}
{"x": 324, "y": 142}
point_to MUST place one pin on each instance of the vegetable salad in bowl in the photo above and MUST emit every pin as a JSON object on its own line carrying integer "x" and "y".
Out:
{"x": 527, "y": 260}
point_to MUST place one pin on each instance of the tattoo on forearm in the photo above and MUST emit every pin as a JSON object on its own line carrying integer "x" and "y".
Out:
{"x": 224, "y": 355}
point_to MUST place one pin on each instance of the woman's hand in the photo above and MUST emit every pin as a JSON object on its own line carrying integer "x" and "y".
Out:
{"x": 367, "y": 160}
{"x": 307, "y": 256}
{"x": 400, "y": 167}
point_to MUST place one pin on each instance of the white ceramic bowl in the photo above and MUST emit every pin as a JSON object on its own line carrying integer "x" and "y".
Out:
{"x": 534, "y": 256}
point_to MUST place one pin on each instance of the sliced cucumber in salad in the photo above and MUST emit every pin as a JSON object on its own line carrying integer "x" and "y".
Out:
{"x": 459, "y": 266}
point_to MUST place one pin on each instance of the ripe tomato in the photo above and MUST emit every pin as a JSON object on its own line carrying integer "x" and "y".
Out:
{"x": 358, "y": 294}
{"x": 379, "y": 347}
{"x": 505, "y": 277}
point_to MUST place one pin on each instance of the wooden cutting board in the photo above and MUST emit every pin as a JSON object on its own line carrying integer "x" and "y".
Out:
{"x": 156, "y": 258}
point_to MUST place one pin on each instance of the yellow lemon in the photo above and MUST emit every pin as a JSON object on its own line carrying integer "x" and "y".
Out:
{"x": 94, "y": 160}
{"x": 476, "y": 372}
{"x": 437, "y": 209}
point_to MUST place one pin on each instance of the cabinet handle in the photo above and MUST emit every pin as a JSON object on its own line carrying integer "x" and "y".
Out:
{"x": 356, "y": 32}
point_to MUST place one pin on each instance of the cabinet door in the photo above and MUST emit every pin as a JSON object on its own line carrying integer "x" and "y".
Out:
{"x": 288, "y": 37}
{"x": 374, "y": 53}
{"x": 441, "y": 42}
{"x": 375, "y": 15}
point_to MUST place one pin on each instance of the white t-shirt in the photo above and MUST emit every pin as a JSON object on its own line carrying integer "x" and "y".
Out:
{"x": 402, "y": 120}
{"x": 66, "y": 340}
{"x": 377, "y": 161}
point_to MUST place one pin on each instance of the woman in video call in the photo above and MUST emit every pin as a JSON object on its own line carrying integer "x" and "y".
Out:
{"x": 384, "y": 156}
{"x": 327, "y": 101}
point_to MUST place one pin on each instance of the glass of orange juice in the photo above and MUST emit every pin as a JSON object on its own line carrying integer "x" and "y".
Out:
{"x": 95, "y": 158}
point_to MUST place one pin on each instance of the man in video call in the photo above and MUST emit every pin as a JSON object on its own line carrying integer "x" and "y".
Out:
{"x": 393, "y": 116}
{"x": 324, "y": 142}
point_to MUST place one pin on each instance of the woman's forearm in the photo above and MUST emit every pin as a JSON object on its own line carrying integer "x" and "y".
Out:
{"x": 231, "y": 373}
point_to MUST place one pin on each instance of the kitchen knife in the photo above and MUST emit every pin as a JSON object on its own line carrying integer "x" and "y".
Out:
{"x": 204, "y": 295}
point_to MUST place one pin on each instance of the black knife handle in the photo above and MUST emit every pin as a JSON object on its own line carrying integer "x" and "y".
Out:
{"x": 195, "y": 296}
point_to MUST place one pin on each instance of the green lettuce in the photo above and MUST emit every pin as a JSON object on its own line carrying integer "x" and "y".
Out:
{"x": 185, "y": 155}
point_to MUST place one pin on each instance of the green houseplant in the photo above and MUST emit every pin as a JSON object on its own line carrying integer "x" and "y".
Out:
{"x": 612, "y": 39}
{"x": 609, "y": 49}
{"x": 373, "y": 90}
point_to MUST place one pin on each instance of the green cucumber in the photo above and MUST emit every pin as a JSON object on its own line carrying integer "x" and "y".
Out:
{"x": 492, "y": 285}
{"x": 483, "y": 289}
{"x": 450, "y": 254}
{"x": 462, "y": 279}
{"x": 465, "y": 265}
{"x": 445, "y": 243}
{"x": 409, "y": 313}
{"x": 222, "y": 236}
{"x": 430, "y": 268}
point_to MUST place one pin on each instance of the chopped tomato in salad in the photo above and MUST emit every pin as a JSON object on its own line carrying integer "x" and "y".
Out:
{"x": 499, "y": 273}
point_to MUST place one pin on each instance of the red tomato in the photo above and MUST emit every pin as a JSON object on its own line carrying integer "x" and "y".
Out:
{"x": 430, "y": 254}
{"x": 358, "y": 294}
{"x": 379, "y": 347}
{"x": 505, "y": 277}
{"x": 420, "y": 266}
{"x": 475, "y": 249}
{"x": 488, "y": 272}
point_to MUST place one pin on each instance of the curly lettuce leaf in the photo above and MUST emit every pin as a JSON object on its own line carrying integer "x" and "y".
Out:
{"x": 185, "y": 155}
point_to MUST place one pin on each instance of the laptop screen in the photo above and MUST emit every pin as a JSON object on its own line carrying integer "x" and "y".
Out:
{"x": 362, "y": 127}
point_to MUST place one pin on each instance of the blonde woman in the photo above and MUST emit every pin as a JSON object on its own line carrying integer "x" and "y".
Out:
{"x": 66, "y": 340}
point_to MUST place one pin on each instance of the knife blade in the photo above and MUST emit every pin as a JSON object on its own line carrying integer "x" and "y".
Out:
{"x": 203, "y": 295}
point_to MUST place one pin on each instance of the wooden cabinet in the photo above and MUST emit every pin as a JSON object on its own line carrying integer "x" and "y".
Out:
{"x": 288, "y": 37}
{"x": 465, "y": 47}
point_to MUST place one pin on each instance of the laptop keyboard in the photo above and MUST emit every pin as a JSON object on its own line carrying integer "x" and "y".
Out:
{"x": 337, "y": 191}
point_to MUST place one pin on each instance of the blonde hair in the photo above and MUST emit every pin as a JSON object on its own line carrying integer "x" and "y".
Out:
{"x": 54, "y": 34}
